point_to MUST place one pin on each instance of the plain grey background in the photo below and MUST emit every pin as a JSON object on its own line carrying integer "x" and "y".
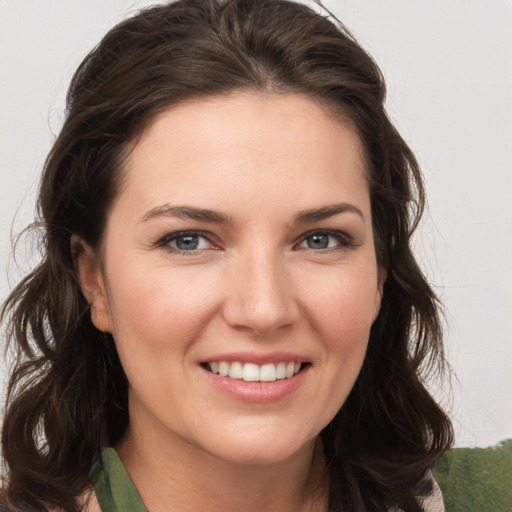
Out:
{"x": 448, "y": 68}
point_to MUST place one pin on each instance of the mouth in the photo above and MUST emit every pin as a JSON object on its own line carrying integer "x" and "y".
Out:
{"x": 251, "y": 372}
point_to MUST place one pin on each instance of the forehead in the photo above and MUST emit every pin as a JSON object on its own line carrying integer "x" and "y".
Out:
{"x": 253, "y": 145}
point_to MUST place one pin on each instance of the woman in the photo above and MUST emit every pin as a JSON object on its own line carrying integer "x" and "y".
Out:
{"x": 228, "y": 309}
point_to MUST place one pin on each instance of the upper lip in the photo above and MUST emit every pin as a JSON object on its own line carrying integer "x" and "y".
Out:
{"x": 258, "y": 358}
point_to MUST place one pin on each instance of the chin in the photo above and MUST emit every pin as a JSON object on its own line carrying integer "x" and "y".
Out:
{"x": 257, "y": 457}
{"x": 261, "y": 448}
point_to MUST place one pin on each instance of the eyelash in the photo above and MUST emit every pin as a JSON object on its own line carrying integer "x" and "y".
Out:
{"x": 345, "y": 241}
{"x": 166, "y": 241}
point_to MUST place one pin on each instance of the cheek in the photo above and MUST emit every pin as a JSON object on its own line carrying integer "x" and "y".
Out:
{"x": 344, "y": 307}
{"x": 340, "y": 316}
{"x": 156, "y": 321}
{"x": 159, "y": 310}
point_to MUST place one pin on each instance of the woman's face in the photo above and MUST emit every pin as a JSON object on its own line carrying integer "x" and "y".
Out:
{"x": 240, "y": 243}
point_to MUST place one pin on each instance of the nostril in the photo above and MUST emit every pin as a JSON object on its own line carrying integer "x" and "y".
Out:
{"x": 262, "y": 302}
{"x": 261, "y": 320}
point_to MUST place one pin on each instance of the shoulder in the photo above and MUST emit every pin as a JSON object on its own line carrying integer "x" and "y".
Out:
{"x": 433, "y": 502}
{"x": 89, "y": 502}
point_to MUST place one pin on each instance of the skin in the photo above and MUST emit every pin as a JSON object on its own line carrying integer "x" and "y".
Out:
{"x": 256, "y": 284}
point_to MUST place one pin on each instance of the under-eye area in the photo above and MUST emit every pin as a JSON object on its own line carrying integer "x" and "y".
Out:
{"x": 252, "y": 372}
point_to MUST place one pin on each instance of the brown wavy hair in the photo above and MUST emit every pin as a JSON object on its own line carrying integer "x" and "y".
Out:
{"x": 67, "y": 395}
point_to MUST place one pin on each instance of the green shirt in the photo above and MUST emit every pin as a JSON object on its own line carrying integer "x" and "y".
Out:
{"x": 113, "y": 486}
{"x": 472, "y": 479}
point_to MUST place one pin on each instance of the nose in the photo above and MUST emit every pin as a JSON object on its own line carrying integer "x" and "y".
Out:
{"x": 259, "y": 294}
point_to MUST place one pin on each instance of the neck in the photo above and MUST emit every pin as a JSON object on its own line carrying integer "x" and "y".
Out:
{"x": 179, "y": 477}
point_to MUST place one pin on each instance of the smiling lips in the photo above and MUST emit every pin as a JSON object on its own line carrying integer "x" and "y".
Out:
{"x": 251, "y": 372}
{"x": 256, "y": 377}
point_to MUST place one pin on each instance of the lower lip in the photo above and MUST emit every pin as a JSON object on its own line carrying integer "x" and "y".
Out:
{"x": 257, "y": 392}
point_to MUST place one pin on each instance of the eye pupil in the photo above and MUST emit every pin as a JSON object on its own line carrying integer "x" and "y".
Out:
{"x": 187, "y": 243}
{"x": 318, "y": 241}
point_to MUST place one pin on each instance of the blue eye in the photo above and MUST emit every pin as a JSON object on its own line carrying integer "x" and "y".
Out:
{"x": 321, "y": 240}
{"x": 186, "y": 242}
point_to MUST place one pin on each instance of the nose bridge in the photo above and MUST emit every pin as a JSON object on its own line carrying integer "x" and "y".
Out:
{"x": 260, "y": 291}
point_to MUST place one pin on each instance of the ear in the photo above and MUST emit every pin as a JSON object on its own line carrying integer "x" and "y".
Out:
{"x": 92, "y": 283}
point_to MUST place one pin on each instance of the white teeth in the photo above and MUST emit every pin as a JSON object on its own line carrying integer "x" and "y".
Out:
{"x": 280, "y": 371}
{"x": 251, "y": 372}
{"x": 236, "y": 370}
{"x": 268, "y": 373}
{"x": 223, "y": 369}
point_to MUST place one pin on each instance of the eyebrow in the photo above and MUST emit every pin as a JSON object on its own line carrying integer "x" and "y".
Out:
{"x": 188, "y": 212}
{"x": 215, "y": 217}
{"x": 325, "y": 212}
